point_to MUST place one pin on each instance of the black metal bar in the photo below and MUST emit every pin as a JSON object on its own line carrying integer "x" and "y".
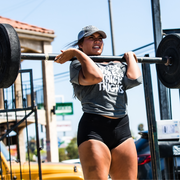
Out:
{"x": 17, "y": 134}
{"x": 25, "y": 70}
{"x": 18, "y": 109}
{"x": 15, "y": 126}
{"x": 24, "y": 106}
{"x": 37, "y": 56}
{"x": 1, "y": 164}
{"x": 32, "y": 105}
{"x": 36, "y": 125}
{"x": 8, "y": 143}
{"x": 32, "y": 88}
{"x": 28, "y": 148}
{"x": 37, "y": 143}
{"x": 152, "y": 129}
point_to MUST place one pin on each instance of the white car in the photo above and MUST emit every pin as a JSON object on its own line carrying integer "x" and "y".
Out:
{"x": 72, "y": 161}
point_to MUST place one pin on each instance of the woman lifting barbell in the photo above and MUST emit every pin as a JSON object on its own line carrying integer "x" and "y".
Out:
{"x": 104, "y": 139}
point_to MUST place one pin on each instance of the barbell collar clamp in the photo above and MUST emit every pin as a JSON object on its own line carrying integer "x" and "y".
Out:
{"x": 168, "y": 61}
{"x": 46, "y": 56}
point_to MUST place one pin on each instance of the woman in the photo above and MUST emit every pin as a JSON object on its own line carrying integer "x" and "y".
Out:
{"x": 105, "y": 144}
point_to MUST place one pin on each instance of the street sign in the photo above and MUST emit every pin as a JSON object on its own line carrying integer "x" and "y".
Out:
{"x": 64, "y": 109}
{"x": 40, "y": 106}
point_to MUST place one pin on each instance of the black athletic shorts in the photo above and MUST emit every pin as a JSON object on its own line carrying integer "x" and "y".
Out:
{"x": 111, "y": 132}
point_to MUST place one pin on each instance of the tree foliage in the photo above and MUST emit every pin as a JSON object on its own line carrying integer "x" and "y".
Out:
{"x": 62, "y": 154}
{"x": 72, "y": 149}
{"x": 70, "y": 152}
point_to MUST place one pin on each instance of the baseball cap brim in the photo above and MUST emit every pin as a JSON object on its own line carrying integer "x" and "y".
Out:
{"x": 89, "y": 30}
{"x": 102, "y": 33}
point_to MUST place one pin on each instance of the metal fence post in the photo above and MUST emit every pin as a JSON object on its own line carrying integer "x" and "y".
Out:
{"x": 152, "y": 129}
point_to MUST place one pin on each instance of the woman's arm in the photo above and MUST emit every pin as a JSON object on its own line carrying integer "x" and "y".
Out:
{"x": 90, "y": 73}
{"x": 133, "y": 71}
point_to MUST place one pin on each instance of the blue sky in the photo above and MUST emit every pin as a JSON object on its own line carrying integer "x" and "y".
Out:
{"x": 132, "y": 24}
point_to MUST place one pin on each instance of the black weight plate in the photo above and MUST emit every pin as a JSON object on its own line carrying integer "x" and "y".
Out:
{"x": 10, "y": 55}
{"x": 169, "y": 75}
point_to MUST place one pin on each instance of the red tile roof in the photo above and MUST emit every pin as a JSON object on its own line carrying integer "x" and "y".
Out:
{"x": 24, "y": 26}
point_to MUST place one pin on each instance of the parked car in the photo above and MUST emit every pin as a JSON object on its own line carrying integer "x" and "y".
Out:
{"x": 144, "y": 158}
{"x": 50, "y": 171}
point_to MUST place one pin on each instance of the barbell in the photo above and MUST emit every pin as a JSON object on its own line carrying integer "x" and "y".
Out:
{"x": 167, "y": 60}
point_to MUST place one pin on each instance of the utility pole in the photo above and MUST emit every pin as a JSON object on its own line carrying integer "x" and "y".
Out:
{"x": 111, "y": 28}
{"x": 164, "y": 93}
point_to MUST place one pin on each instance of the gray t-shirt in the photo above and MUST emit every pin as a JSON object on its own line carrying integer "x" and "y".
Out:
{"x": 107, "y": 97}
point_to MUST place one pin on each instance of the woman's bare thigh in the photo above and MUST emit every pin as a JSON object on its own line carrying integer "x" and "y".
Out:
{"x": 124, "y": 161}
{"x": 95, "y": 159}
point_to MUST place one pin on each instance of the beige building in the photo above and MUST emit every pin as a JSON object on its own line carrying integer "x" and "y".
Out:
{"x": 34, "y": 39}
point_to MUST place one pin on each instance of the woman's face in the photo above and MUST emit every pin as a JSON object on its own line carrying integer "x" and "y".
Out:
{"x": 92, "y": 45}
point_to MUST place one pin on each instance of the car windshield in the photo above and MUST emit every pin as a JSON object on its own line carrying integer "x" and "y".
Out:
{"x": 4, "y": 150}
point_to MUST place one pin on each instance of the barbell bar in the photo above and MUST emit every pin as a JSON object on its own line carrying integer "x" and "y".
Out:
{"x": 51, "y": 56}
{"x": 167, "y": 60}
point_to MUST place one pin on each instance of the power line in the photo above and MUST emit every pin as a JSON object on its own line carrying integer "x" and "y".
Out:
{"x": 33, "y": 10}
{"x": 61, "y": 73}
{"x": 142, "y": 47}
{"x": 15, "y": 6}
{"x": 144, "y": 51}
{"x": 62, "y": 80}
{"x": 61, "y": 77}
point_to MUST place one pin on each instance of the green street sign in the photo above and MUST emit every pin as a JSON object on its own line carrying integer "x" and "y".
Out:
{"x": 40, "y": 106}
{"x": 64, "y": 109}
